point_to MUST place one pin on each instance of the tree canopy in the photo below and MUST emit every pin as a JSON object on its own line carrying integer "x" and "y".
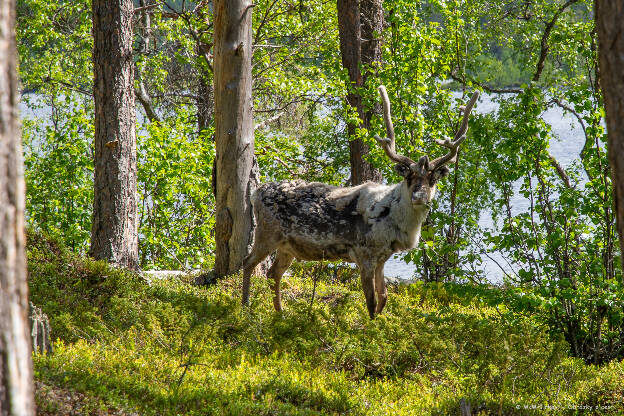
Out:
{"x": 560, "y": 253}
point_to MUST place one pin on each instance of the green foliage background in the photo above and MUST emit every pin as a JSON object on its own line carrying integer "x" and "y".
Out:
{"x": 563, "y": 253}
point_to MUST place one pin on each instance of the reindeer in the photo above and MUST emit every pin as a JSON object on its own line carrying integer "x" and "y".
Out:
{"x": 364, "y": 224}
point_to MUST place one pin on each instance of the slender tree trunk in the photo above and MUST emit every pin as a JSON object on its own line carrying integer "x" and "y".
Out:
{"x": 359, "y": 25}
{"x": 143, "y": 44}
{"x": 205, "y": 89}
{"x": 16, "y": 375}
{"x": 609, "y": 17}
{"x": 205, "y": 101}
{"x": 114, "y": 230}
{"x": 236, "y": 171}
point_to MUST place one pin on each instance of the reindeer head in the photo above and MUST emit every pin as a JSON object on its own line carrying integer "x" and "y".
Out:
{"x": 421, "y": 177}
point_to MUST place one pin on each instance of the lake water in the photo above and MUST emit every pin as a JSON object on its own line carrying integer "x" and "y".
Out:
{"x": 566, "y": 147}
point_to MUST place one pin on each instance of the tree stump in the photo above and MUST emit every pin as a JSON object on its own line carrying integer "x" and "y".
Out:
{"x": 40, "y": 330}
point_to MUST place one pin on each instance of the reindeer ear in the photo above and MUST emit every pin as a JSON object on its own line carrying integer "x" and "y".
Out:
{"x": 401, "y": 169}
{"x": 439, "y": 173}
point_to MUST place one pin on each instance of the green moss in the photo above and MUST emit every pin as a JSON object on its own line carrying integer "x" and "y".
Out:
{"x": 174, "y": 348}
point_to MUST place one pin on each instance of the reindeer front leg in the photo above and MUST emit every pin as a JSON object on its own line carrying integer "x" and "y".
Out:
{"x": 380, "y": 287}
{"x": 367, "y": 277}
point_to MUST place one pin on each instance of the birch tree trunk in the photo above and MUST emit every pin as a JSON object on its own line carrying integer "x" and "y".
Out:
{"x": 236, "y": 171}
{"x": 360, "y": 23}
{"x": 16, "y": 375}
{"x": 114, "y": 235}
{"x": 609, "y": 16}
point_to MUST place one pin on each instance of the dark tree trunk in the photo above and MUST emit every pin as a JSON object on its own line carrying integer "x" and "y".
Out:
{"x": 236, "y": 171}
{"x": 205, "y": 102}
{"x": 372, "y": 22}
{"x": 609, "y": 17}
{"x": 205, "y": 90}
{"x": 359, "y": 25}
{"x": 16, "y": 375}
{"x": 114, "y": 230}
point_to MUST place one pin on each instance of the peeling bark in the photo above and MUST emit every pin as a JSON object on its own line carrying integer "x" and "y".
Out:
{"x": 234, "y": 134}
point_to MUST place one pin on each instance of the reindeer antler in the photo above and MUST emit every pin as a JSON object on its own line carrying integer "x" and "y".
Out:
{"x": 388, "y": 144}
{"x": 460, "y": 136}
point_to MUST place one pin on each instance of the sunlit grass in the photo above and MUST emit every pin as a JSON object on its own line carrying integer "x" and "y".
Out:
{"x": 175, "y": 348}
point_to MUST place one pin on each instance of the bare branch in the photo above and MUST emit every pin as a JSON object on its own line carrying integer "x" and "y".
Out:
{"x": 295, "y": 100}
{"x": 488, "y": 88}
{"x": 146, "y": 102}
{"x": 68, "y": 86}
{"x": 569, "y": 109}
{"x": 560, "y": 171}
{"x": 263, "y": 152}
{"x": 193, "y": 97}
{"x": 258, "y": 35}
{"x": 147, "y": 8}
{"x": 141, "y": 93}
{"x": 269, "y": 120}
{"x": 546, "y": 36}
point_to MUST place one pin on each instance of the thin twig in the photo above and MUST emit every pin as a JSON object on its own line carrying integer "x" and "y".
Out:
{"x": 146, "y": 8}
{"x": 544, "y": 46}
{"x": 316, "y": 277}
{"x": 269, "y": 120}
{"x": 487, "y": 88}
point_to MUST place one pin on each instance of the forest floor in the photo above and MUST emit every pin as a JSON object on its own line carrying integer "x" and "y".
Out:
{"x": 126, "y": 346}
{"x": 53, "y": 400}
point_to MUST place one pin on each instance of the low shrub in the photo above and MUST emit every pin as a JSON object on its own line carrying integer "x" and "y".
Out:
{"x": 171, "y": 347}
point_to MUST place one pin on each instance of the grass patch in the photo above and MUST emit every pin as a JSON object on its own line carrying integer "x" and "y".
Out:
{"x": 175, "y": 348}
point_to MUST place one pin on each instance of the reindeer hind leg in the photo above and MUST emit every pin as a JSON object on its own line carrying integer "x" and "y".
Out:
{"x": 279, "y": 266}
{"x": 257, "y": 254}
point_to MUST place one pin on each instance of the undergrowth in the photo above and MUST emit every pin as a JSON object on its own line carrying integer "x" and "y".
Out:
{"x": 172, "y": 348}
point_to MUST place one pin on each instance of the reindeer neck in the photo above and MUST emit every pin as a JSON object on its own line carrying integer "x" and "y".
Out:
{"x": 406, "y": 216}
